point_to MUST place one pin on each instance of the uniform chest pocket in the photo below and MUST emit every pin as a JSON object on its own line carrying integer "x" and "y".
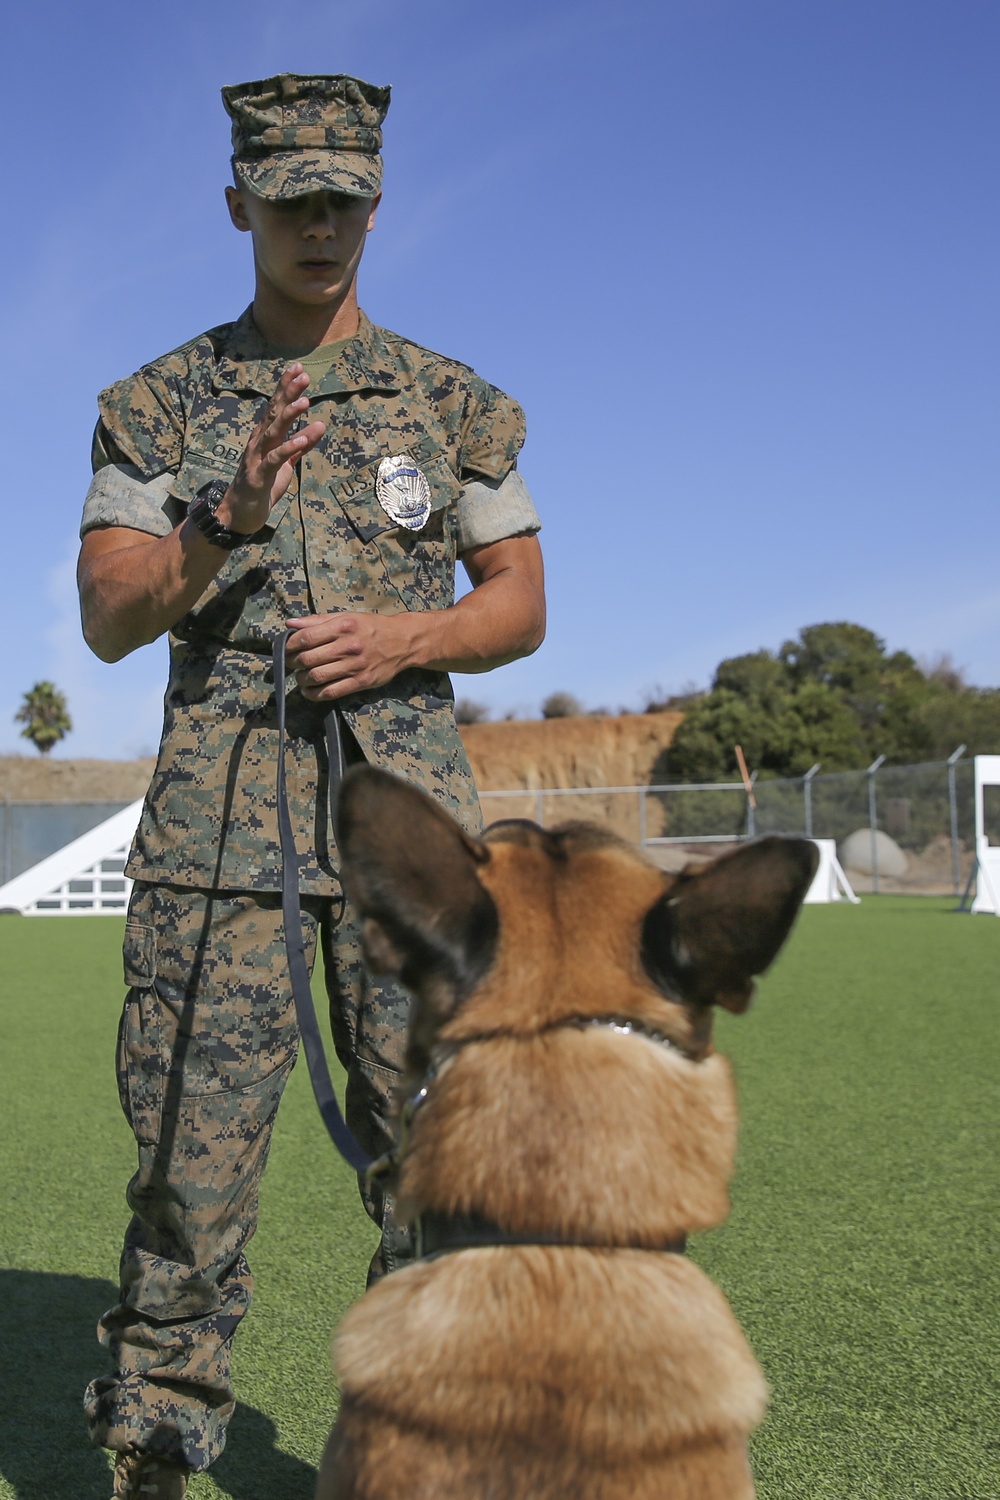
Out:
{"x": 419, "y": 564}
{"x": 373, "y": 521}
{"x": 200, "y": 466}
{"x": 258, "y": 585}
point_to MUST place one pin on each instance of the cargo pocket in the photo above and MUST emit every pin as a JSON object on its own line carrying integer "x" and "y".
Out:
{"x": 141, "y": 1064}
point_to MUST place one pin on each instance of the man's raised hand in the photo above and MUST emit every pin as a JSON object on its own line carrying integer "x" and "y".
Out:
{"x": 265, "y": 470}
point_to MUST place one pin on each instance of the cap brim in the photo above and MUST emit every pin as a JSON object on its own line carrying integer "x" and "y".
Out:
{"x": 289, "y": 174}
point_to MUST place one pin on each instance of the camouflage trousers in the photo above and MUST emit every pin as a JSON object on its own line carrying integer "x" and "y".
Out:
{"x": 207, "y": 1039}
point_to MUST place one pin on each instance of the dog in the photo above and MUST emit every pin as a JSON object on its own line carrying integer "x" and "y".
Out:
{"x": 565, "y": 1123}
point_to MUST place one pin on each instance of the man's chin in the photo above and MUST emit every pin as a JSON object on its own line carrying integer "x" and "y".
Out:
{"x": 316, "y": 293}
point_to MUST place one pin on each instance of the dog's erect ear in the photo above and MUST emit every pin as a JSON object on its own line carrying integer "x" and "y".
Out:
{"x": 716, "y": 928}
{"x": 410, "y": 872}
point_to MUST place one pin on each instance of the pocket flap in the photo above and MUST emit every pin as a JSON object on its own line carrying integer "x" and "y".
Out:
{"x": 199, "y": 469}
{"x": 358, "y": 498}
{"x": 139, "y": 955}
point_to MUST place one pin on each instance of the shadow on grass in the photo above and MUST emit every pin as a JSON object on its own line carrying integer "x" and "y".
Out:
{"x": 47, "y": 1335}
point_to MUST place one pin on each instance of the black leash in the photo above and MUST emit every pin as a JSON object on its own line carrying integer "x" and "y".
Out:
{"x": 291, "y": 912}
{"x": 436, "y": 1234}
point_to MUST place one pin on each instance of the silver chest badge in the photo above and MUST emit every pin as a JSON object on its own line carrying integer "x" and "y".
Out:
{"x": 403, "y": 492}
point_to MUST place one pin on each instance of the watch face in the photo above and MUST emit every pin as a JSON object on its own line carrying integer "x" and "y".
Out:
{"x": 210, "y": 493}
{"x": 202, "y": 512}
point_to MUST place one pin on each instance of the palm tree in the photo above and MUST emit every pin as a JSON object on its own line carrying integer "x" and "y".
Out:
{"x": 44, "y": 715}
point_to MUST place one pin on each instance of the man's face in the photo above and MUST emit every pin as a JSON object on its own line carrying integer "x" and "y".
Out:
{"x": 306, "y": 248}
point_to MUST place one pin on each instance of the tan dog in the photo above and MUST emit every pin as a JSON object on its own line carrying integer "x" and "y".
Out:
{"x": 561, "y": 1086}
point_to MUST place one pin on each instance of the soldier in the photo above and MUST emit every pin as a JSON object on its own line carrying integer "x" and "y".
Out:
{"x": 297, "y": 468}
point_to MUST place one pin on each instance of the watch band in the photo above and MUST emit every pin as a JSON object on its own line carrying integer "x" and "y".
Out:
{"x": 202, "y": 512}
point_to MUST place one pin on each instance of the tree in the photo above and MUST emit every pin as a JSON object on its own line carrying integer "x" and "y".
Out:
{"x": 45, "y": 716}
{"x": 833, "y": 695}
{"x": 561, "y": 706}
{"x": 852, "y": 661}
{"x": 468, "y": 711}
{"x": 783, "y": 731}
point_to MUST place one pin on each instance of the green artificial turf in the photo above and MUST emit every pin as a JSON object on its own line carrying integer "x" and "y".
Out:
{"x": 65, "y": 1157}
{"x": 860, "y": 1256}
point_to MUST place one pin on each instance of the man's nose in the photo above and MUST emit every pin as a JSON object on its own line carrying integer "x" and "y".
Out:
{"x": 321, "y": 221}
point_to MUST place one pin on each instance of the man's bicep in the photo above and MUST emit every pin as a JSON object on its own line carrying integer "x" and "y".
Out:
{"x": 105, "y": 539}
{"x": 520, "y": 554}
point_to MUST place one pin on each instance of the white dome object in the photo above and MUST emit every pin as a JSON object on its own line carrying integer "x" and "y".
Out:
{"x": 856, "y": 854}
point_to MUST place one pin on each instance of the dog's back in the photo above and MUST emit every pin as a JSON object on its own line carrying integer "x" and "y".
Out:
{"x": 568, "y": 1117}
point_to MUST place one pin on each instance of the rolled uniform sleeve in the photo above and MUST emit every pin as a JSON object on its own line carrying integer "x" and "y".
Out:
{"x": 120, "y": 496}
{"x": 489, "y": 510}
{"x": 136, "y": 452}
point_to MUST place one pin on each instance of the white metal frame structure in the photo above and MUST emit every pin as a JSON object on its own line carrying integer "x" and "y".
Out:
{"x": 987, "y": 773}
{"x": 829, "y": 883}
{"x": 85, "y": 877}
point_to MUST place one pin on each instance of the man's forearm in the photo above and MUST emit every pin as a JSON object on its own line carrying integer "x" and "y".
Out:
{"x": 134, "y": 587}
{"x": 498, "y": 622}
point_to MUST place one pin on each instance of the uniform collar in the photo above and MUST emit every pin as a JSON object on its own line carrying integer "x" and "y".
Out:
{"x": 364, "y": 364}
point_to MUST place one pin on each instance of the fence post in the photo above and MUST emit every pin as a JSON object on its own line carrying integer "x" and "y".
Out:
{"x": 807, "y": 795}
{"x": 872, "y": 819}
{"x": 642, "y": 818}
{"x": 539, "y": 808}
{"x": 748, "y": 782}
{"x": 953, "y": 760}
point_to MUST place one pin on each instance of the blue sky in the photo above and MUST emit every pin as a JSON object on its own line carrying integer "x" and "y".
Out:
{"x": 736, "y": 258}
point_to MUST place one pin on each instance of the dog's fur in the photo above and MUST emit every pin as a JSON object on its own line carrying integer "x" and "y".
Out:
{"x": 609, "y": 1368}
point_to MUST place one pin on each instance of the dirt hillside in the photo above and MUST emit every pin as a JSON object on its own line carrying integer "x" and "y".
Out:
{"x": 25, "y": 778}
{"x": 585, "y": 751}
{"x": 625, "y": 751}
{"x": 622, "y": 751}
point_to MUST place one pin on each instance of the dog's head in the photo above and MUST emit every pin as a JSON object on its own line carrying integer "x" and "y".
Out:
{"x": 526, "y": 926}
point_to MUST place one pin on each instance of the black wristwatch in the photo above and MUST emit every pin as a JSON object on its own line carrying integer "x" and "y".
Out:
{"x": 202, "y": 512}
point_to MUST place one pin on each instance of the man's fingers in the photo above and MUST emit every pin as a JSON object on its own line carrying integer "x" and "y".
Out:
{"x": 346, "y": 659}
{"x": 293, "y": 448}
{"x": 293, "y": 382}
{"x": 328, "y": 672}
{"x": 288, "y": 402}
{"x": 323, "y": 635}
{"x": 341, "y": 687}
{"x": 313, "y": 630}
{"x": 276, "y": 423}
{"x": 335, "y": 658}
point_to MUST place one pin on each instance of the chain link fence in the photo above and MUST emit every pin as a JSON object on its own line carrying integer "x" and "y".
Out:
{"x": 897, "y": 828}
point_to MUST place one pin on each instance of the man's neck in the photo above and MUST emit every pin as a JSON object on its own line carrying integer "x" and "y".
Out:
{"x": 290, "y": 325}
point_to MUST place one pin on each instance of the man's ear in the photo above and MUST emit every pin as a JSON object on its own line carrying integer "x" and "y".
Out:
{"x": 716, "y": 928}
{"x": 410, "y": 872}
{"x": 237, "y": 212}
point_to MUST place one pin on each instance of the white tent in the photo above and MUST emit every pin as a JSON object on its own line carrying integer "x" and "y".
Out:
{"x": 84, "y": 877}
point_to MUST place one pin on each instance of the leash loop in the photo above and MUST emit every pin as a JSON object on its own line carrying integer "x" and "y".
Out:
{"x": 291, "y": 914}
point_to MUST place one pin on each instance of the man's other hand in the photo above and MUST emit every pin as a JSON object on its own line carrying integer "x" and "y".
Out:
{"x": 333, "y": 655}
{"x": 503, "y": 618}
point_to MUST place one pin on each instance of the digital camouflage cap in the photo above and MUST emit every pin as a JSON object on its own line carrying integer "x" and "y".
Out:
{"x": 294, "y": 134}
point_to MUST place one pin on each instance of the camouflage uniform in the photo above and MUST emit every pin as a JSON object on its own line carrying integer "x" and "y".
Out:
{"x": 208, "y": 1032}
